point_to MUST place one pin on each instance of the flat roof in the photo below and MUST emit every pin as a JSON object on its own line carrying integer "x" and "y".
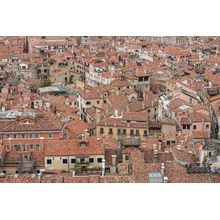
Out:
{"x": 13, "y": 114}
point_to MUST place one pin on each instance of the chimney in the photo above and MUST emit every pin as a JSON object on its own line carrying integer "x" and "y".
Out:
{"x": 103, "y": 167}
{"x": 98, "y": 117}
{"x": 73, "y": 174}
{"x": 116, "y": 113}
{"x": 113, "y": 160}
{"x": 162, "y": 168}
{"x": 165, "y": 179}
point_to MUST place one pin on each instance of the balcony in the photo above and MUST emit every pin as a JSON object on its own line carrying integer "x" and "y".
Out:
{"x": 154, "y": 124}
{"x": 86, "y": 169}
{"x": 135, "y": 142}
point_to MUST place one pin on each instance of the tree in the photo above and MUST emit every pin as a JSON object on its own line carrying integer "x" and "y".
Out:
{"x": 71, "y": 79}
{"x": 120, "y": 59}
{"x": 46, "y": 82}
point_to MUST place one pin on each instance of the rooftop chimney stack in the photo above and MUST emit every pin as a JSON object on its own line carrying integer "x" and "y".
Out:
{"x": 103, "y": 167}
{"x": 98, "y": 117}
{"x": 85, "y": 134}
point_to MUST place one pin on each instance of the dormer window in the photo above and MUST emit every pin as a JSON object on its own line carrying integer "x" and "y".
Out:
{"x": 83, "y": 144}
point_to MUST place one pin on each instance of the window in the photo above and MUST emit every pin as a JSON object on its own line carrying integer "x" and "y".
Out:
{"x": 50, "y": 135}
{"x": 194, "y": 127}
{"x": 145, "y": 132}
{"x": 37, "y": 135}
{"x": 49, "y": 161}
{"x": 99, "y": 160}
{"x": 131, "y": 132}
{"x": 110, "y": 131}
{"x": 15, "y": 136}
{"x": 82, "y": 160}
{"x": 7, "y": 147}
{"x": 91, "y": 160}
{"x": 7, "y": 136}
{"x": 23, "y": 135}
{"x": 137, "y": 132}
{"x": 23, "y": 147}
{"x": 97, "y": 102}
{"x": 145, "y": 78}
{"x": 30, "y": 135}
{"x": 207, "y": 126}
{"x": 101, "y": 131}
{"x": 64, "y": 161}
{"x": 37, "y": 147}
{"x": 126, "y": 157}
{"x": 16, "y": 147}
{"x": 31, "y": 147}
{"x": 124, "y": 131}
{"x": 73, "y": 160}
{"x": 186, "y": 127}
{"x": 148, "y": 110}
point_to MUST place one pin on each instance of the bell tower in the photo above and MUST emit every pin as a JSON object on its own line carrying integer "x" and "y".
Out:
{"x": 26, "y": 45}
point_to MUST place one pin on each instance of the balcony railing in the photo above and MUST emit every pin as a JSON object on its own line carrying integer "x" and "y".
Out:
{"x": 130, "y": 141}
{"x": 154, "y": 124}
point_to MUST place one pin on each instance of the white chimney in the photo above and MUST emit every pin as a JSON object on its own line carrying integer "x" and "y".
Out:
{"x": 165, "y": 179}
{"x": 85, "y": 134}
{"x": 201, "y": 157}
{"x": 98, "y": 117}
{"x": 162, "y": 168}
{"x": 116, "y": 113}
{"x": 73, "y": 174}
{"x": 103, "y": 167}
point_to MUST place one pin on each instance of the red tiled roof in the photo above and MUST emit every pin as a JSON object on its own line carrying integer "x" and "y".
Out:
{"x": 72, "y": 147}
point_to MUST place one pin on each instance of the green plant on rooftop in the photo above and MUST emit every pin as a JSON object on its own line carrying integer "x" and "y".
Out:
{"x": 71, "y": 79}
{"x": 46, "y": 82}
{"x": 120, "y": 59}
